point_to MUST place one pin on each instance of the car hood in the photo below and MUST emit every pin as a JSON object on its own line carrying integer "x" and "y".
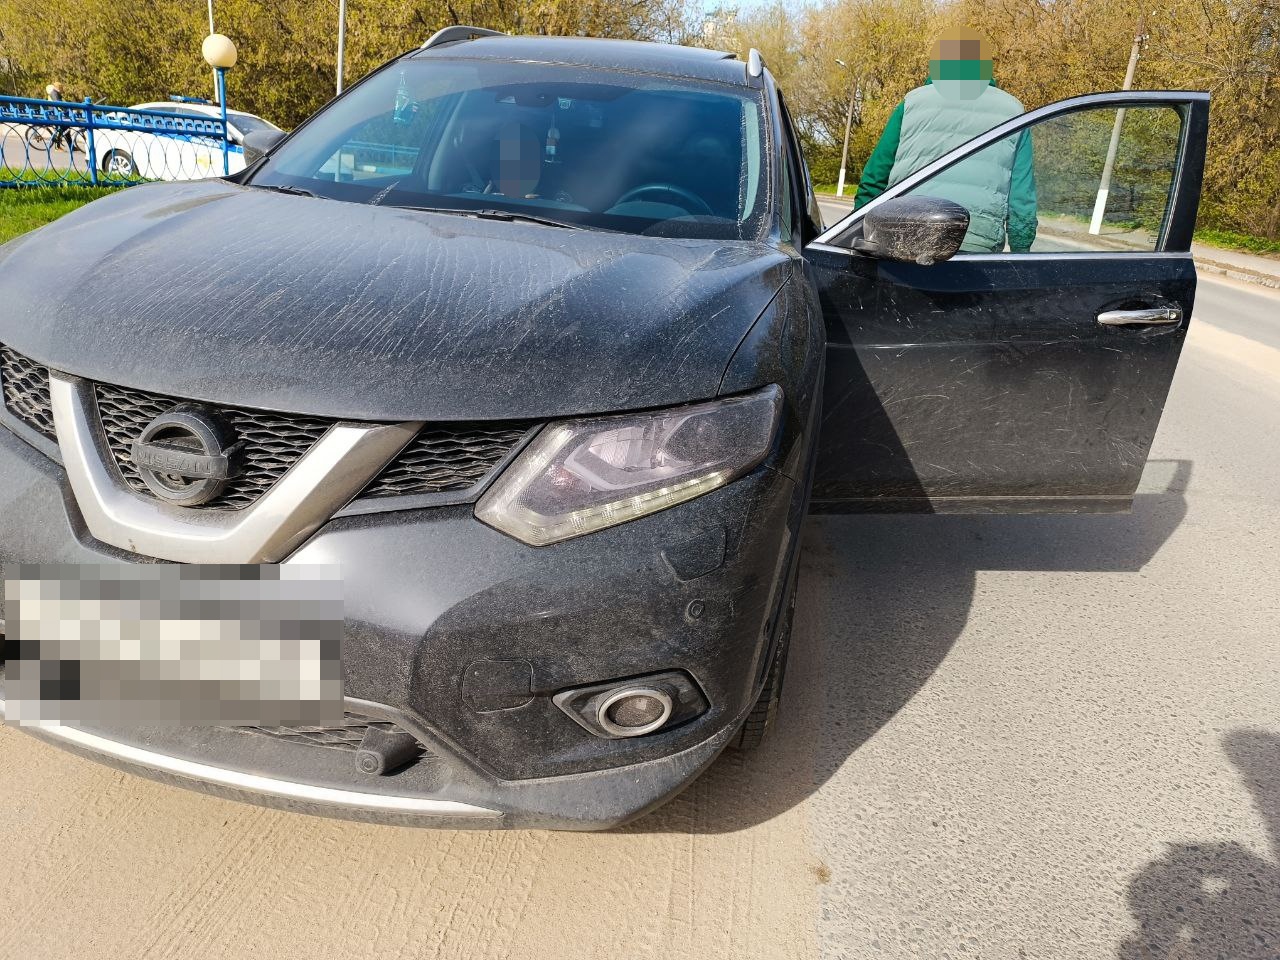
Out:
{"x": 234, "y": 295}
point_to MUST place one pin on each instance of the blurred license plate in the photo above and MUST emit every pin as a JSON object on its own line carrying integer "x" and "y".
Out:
{"x": 173, "y": 645}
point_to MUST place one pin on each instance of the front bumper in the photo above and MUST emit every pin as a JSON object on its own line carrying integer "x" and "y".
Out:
{"x": 434, "y": 792}
{"x": 433, "y": 600}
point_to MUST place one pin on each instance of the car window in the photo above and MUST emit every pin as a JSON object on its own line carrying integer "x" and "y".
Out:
{"x": 787, "y": 211}
{"x": 1096, "y": 179}
{"x": 190, "y": 113}
{"x": 605, "y": 149}
{"x": 248, "y": 123}
{"x": 799, "y": 181}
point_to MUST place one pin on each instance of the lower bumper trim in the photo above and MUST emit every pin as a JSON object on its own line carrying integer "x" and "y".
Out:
{"x": 283, "y": 789}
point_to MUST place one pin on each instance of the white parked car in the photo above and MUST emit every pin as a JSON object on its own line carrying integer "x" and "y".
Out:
{"x": 174, "y": 154}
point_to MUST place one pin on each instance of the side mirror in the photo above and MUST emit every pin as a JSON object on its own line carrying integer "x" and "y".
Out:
{"x": 923, "y": 230}
{"x": 259, "y": 143}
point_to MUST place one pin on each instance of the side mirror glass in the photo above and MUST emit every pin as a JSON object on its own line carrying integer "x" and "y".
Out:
{"x": 923, "y": 230}
{"x": 259, "y": 143}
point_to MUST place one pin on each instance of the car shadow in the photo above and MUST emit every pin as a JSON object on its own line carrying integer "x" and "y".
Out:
{"x": 1210, "y": 900}
{"x": 882, "y": 600}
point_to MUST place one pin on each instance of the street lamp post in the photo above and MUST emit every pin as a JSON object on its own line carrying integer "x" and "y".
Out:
{"x": 213, "y": 30}
{"x": 220, "y": 53}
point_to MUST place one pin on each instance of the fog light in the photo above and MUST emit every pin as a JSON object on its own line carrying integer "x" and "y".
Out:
{"x": 634, "y": 711}
{"x": 651, "y": 704}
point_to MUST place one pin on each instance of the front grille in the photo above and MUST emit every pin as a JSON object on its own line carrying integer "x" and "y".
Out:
{"x": 273, "y": 442}
{"x": 26, "y": 391}
{"x": 345, "y": 737}
{"x": 443, "y": 459}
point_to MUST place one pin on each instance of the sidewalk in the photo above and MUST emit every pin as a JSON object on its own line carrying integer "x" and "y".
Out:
{"x": 1249, "y": 267}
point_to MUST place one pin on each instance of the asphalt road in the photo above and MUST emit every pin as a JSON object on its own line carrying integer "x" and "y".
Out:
{"x": 1003, "y": 737}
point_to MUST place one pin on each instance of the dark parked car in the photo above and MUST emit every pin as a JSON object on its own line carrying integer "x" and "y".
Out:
{"x": 543, "y": 342}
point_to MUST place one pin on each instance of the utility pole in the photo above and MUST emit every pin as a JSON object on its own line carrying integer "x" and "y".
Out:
{"x": 855, "y": 94}
{"x": 844, "y": 153}
{"x": 342, "y": 39}
{"x": 1104, "y": 187}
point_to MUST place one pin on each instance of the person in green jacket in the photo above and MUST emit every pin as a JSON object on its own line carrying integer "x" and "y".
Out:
{"x": 959, "y": 101}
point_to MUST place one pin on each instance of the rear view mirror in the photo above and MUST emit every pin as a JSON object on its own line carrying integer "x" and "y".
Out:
{"x": 923, "y": 230}
{"x": 259, "y": 143}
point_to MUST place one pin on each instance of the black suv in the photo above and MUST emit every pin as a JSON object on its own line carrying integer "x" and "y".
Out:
{"x": 543, "y": 343}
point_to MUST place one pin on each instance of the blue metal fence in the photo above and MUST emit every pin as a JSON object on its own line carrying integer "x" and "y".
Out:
{"x": 47, "y": 142}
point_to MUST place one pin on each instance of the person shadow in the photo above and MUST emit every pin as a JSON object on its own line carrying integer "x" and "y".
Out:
{"x": 1203, "y": 901}
{"x": 882, "y": 599}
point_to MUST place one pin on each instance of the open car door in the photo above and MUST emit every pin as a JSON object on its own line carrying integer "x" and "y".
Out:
{"x": 1026, "y": 379}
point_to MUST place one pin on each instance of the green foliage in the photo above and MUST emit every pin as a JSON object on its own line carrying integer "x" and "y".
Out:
{"x": 136, "y": 51}
{"x": 1070, "y": 155}
{"x": 23, "y": 209}
{"x": 1043, "y": 51}
{"x": 1231, "y": 240}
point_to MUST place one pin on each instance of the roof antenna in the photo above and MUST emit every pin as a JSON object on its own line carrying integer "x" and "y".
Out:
{"x": 755, "y": 63}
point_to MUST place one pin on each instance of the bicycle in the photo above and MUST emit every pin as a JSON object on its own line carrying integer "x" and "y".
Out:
{"x": 53, "y": 138}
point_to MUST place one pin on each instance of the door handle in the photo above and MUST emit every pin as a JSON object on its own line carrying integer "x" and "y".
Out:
{"x": 1148, "y": 317}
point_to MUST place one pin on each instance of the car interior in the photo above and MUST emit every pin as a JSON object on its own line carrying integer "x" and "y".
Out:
{"x": 688, "y": 164}
{"x": 646, "y": 157}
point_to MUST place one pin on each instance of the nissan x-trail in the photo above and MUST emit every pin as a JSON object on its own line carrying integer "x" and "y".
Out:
{"x": 542, "y": 345}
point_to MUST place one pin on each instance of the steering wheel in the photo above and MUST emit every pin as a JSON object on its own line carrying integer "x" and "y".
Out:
{"x": 693, "y": 203}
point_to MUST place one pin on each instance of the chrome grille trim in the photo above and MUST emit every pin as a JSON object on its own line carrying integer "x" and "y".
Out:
{"x": 333, "y": 471}
{"x": 445, "y": 463}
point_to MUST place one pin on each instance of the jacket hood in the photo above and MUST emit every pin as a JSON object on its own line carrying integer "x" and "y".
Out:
{"x": 233, "y": 295}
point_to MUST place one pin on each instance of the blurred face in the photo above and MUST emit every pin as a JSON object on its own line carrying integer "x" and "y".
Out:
{"x": 960, "y": 66}
{"x": 519, "y": 161}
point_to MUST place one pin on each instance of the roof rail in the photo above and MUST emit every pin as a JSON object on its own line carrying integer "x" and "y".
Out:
{"x": 452, "y": 34}
{"x": 755, "y": 63}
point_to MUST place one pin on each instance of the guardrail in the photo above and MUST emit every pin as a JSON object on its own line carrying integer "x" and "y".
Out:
{"x": 53, "y": 143}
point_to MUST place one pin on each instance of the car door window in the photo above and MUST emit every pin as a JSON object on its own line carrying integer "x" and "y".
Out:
{"x": 1092, "y": 180}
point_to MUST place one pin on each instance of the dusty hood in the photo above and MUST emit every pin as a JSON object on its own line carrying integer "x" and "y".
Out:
{"x": 235, "y": 295}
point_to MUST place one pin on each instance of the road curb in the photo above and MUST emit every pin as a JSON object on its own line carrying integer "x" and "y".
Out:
{"x": 1239, "y": 273}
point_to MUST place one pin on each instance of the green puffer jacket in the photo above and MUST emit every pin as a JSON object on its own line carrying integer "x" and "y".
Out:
{"x": 996, "y": 185}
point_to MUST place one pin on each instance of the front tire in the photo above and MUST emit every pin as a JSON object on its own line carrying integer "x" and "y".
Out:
{"x": 118, "y": 163}
{"x": 755, "y": 730}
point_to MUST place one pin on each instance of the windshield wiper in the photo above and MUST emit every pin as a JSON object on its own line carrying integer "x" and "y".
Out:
{"x": 506, "y": 215}
{"x": 281, "y": 188}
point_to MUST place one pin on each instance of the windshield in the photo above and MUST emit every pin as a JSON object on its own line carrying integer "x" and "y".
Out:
{"x": 586, "y": 147}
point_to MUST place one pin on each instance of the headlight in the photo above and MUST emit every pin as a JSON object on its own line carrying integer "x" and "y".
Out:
{"x": 584, "y": 475}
